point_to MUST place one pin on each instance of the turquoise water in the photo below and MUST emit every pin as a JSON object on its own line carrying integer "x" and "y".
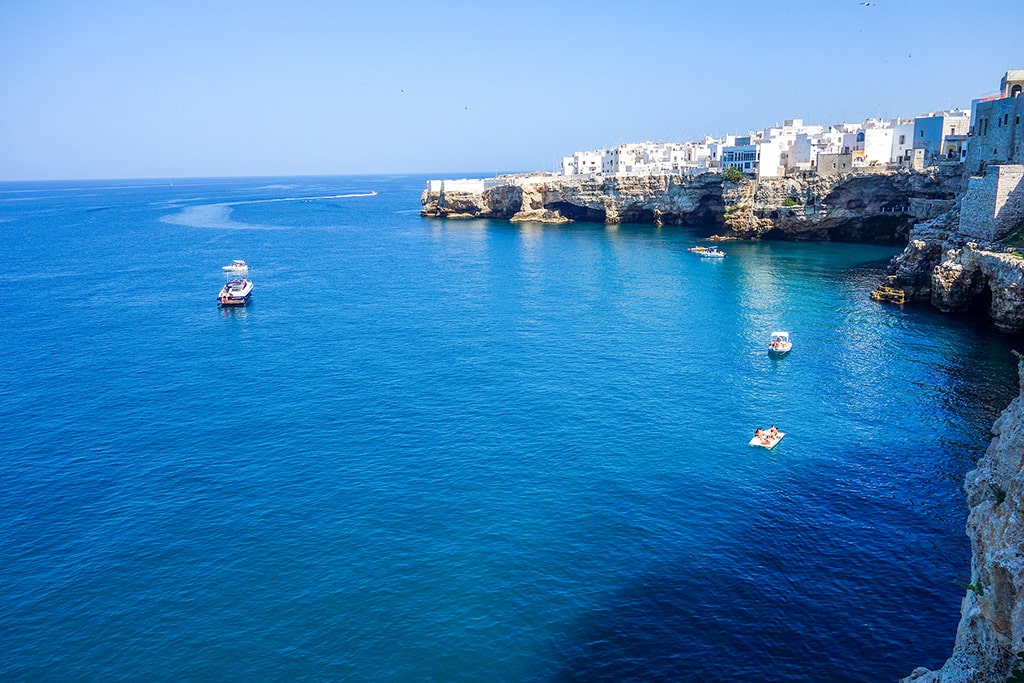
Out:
{"x": 464, "y": 451}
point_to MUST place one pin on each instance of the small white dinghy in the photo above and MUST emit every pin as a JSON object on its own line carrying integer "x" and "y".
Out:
{"x": 780, "y": 344}
{"x": 766, "y": 439}
{"x": 237, "y": 267}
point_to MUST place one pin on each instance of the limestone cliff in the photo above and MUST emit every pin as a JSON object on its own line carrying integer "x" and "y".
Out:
{"x": 871, "y": 207}
{"x": 942, "y": 267}
{"x": 990, "y": 639}
{"x": 663, "y": 199}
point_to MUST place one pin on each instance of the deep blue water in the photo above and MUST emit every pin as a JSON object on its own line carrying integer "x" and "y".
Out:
{"x": 464, "y": 451}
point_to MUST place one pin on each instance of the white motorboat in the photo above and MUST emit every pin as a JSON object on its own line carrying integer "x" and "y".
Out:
{"x": 712, "y": 252}
{"x": 767, "y": 438}
{"x": 780, "y": 344}
{"x": 238, "y": 267}
{"x": 235, "y": 293}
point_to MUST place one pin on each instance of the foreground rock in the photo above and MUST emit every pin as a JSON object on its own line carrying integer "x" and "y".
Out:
{"x": 944, "y": 268}
{"x": 990, "y": 639}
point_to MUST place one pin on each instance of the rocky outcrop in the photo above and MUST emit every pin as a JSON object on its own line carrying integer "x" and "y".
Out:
{"x": 662, "y": 199}
{"x": 909, "y": 276}
{"x": 871, "y": 207}
{"x": 941, "y": 267}
{"x": 990, "y": 638}
{"x": 971, "y": 277}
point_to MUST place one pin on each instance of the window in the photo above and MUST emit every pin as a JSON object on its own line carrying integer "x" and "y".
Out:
{"x": 922, "y": 133}
{"x": 903, "y": 139}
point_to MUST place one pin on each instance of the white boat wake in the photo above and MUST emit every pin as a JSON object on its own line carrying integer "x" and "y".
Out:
{"x": 219, "y": 215}
{"x": 301, "y": 199}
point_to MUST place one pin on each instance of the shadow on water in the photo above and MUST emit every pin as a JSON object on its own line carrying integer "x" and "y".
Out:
{"x": 760, "y": 609}
{"x": 851, "y": 564}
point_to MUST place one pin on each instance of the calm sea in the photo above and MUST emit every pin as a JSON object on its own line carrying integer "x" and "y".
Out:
{"x": 465, "y": 451}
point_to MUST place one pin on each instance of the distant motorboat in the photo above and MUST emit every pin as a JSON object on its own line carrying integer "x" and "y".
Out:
{"x": 780, "y": 344}
{"x": 238, "y": 267}
{"x": 713, "y": 252}
{"x": 235, "y": 293}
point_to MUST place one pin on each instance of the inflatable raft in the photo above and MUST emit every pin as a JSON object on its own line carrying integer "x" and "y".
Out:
{"x": 766, "y": 441}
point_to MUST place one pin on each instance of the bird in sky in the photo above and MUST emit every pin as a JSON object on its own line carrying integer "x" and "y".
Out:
{"x": 868, "y": 4}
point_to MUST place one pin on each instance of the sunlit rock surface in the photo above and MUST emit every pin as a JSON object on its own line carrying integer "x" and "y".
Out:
{"x": 990, "y": 639}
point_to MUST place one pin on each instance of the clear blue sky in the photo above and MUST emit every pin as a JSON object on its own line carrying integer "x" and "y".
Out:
{"x": 212, "y": 88}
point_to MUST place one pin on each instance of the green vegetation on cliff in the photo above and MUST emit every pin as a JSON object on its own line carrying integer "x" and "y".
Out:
{"x": 732, "y": 175}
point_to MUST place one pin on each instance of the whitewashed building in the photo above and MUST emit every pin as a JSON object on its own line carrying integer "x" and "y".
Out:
{"x": 902, "y": 140}
{"x": 583, "y": 163}
{"x": 877, "y": 142}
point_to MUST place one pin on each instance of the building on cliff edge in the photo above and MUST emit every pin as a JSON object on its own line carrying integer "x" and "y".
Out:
{"x": 993, "y": 204}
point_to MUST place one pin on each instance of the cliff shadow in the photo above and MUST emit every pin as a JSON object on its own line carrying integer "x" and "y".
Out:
{"x": 881, "y": 229}
{"x": 756, "y": 609}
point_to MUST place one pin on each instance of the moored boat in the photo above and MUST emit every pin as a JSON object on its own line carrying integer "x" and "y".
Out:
{"x": 780, "y": 344}
{"x": 238, "y": 266}
{"x": 713, "y": 252}
{"x": 235, "y": 293}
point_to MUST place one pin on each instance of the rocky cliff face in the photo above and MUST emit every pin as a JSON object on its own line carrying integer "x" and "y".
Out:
{"x": 990, "y": 639}
{"x": 879, "y": 207}
{"x": 869, "y": 208}
{"x": 941, "y": 267}
{"x": 633, "y": 199}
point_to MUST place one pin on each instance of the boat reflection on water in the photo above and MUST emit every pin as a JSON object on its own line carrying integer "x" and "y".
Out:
{"x": 236, "y": 312}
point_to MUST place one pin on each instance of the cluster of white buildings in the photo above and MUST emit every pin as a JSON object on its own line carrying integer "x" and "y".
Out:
{"x": 791, "y": 148}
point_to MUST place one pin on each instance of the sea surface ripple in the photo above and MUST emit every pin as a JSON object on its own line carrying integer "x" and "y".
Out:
{"x": 465, "y": 450}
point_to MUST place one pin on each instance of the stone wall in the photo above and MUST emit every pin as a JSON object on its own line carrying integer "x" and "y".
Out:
{"x": 834, "y": 164}
{"x": 993, "y": 205}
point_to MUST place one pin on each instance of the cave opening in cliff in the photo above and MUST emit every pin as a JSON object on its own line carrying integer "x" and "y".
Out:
{"x": 887, "y": 229}
{"x": 981, "y": 296}
{"x": 578, "y": 213}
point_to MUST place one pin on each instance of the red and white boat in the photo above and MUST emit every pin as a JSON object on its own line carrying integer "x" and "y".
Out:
{"x": 235, "y": 293}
